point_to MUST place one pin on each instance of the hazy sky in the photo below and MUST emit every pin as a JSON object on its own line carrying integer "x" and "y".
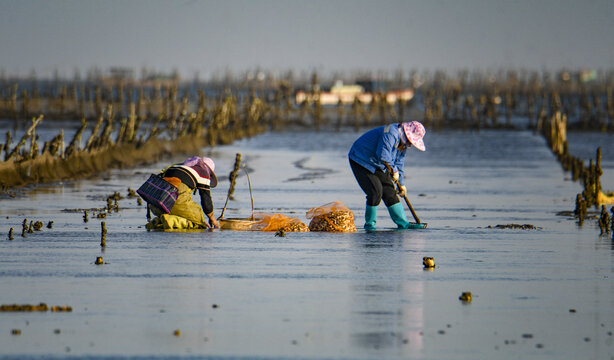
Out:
{"x": 203, "y": 36}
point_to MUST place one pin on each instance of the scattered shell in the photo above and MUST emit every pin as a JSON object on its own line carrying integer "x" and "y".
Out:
{"x": 428, "y": 262}
{"x": 465, "y": 296}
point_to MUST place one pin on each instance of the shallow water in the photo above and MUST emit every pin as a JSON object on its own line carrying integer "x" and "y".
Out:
{"x": 545, "y": 293}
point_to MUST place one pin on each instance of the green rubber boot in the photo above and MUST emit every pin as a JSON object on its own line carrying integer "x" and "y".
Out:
{"x": 370, "y": 217}
{"x": 397, "y": 214}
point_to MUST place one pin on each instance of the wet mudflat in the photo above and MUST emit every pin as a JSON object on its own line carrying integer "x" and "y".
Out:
{"x": 543, "y": 293}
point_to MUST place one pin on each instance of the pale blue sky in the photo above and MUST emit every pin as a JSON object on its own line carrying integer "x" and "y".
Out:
{"x": 329, "y": 35}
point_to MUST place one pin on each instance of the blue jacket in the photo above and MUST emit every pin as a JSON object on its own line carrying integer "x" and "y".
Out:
{"x": 377, "y": 146}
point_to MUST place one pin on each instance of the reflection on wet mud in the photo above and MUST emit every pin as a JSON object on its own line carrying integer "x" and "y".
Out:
{"x": 379, "y": 340}
{"x": 385, "y": 308}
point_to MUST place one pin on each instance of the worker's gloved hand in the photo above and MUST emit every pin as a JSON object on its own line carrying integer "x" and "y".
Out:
{"x": 402, "y": 190}
{"x": 213, "y": 221}
{"x": 395, "y": 176}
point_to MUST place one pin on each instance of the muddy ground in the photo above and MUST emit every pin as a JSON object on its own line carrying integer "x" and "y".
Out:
{"x": 536, "y": 293}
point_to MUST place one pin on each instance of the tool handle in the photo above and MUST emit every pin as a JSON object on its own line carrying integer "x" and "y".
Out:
{"x": 404, "y": 195}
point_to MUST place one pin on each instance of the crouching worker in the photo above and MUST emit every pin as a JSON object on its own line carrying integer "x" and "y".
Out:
{"x": 193, "y": 174}
{"x": 368, "y": 158}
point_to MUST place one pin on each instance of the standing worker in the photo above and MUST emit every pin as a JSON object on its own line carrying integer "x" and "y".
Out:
{"x": 194, "y": 173}
{"x": 368, "y": 158}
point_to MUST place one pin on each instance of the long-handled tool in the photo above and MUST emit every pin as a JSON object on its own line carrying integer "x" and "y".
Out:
{"x": 396, "y": 181}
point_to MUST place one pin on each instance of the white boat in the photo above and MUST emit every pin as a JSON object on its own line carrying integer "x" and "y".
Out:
{"x": 346, "y": 94}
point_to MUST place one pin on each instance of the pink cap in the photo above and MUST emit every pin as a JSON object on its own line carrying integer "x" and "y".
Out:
{"x": 414, "y": 131}
{"x": 207, "y": 161}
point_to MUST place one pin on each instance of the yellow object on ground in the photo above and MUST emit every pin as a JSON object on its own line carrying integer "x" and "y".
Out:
{"x": 603, "y": 199}
{"x": 172, "y": 222}
{"x": 331, "y": 217}
{"x": 185, "y": 207}
{"x": 466, "y": 296}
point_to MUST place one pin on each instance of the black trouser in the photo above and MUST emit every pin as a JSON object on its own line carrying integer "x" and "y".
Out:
{"x": 378, "y": 186}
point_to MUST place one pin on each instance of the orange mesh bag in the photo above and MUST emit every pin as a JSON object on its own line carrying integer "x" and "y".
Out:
{"x": 331, "y": 217}
{"x": 276, "y": 222}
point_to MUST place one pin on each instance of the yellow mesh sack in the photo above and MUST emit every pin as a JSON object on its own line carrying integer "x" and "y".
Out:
{"x": 331, "y": 217}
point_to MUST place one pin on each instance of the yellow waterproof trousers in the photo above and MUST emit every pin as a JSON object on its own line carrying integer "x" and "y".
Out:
{"x": 185, "y": 207}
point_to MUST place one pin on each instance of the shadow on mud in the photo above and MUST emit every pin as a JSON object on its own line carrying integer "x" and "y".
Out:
{"x": 311, "y": 174}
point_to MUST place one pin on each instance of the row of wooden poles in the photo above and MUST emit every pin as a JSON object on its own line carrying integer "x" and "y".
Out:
{"x": 170, "y": 122}
{"x": 124, "y": 135}
{"x": 118, "y": 140}
{"x": 554, "y": 131}
{"x": 166, "y": 102}
{"x": 123, "y": 142}
{"x": 449, "y": 104}
{"x": 493, "y": 107}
